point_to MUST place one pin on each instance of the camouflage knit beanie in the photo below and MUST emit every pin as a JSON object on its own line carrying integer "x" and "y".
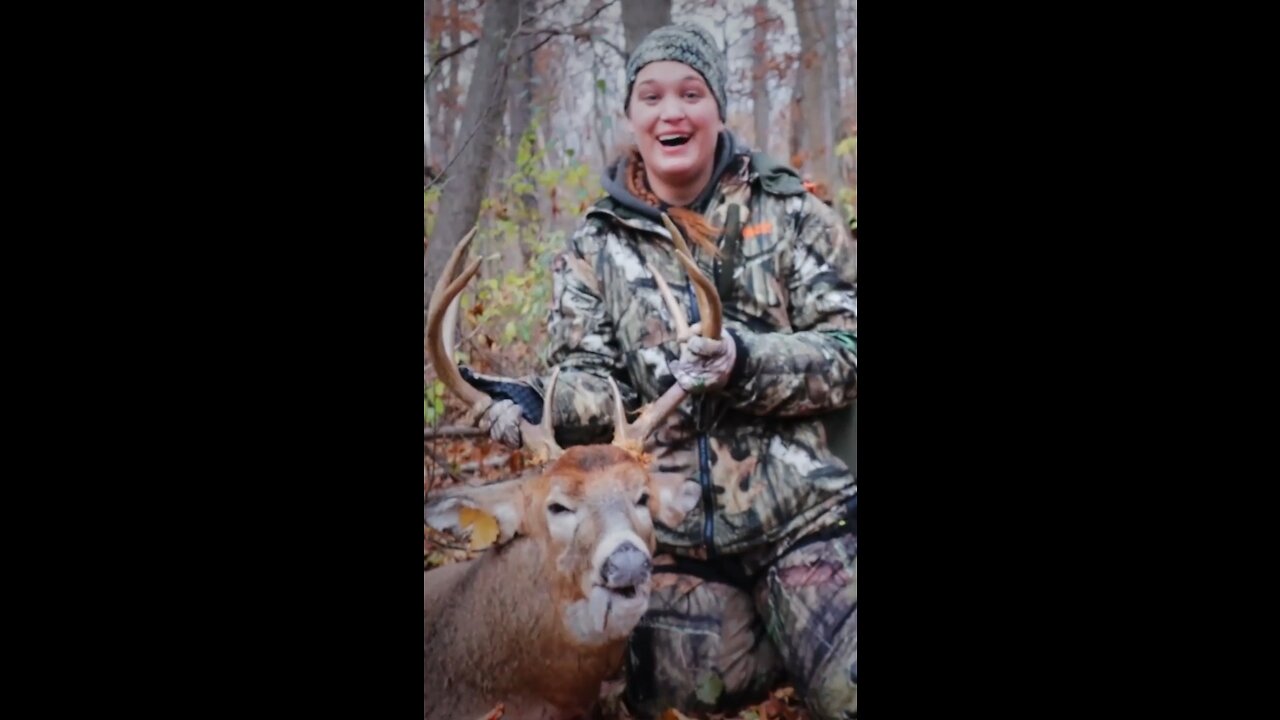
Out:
{"x": 685, "y": 43}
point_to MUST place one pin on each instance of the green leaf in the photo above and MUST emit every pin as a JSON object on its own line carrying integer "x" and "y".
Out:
{"x": 847, "y": 146}
{"x": 439, "y": 406}
{"x": 568, "y": 152}
{"x": 710, "y": 686}
{"x": 600, "y": 85}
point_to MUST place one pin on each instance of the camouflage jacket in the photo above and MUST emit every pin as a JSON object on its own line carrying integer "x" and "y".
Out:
{"x": 756, "y": 449}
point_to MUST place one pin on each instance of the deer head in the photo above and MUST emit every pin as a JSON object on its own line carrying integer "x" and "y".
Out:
{"x": 591, "y": 509}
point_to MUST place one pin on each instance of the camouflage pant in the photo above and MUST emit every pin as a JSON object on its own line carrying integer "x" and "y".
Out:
{"x": 711, "y": 646}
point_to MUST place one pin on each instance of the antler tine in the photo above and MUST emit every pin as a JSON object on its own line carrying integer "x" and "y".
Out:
{"x": 628, "y": 436}
{"x": 447, "y": 331}
{"x": 632, "y": 436}
{"x": 709, "y": 307}
{"x": 540, "y": 439}
{"x": 446, "y": 290}
{"x": 450, "y": 271}
{"x": 676, "y": 236}
{"x": 677, "y": 312}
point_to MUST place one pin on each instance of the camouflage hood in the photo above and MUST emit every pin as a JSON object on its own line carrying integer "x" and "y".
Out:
{"x": 774, "y": 178}
{"x": 788, "y": 282}
{"x": 727, "y": 149}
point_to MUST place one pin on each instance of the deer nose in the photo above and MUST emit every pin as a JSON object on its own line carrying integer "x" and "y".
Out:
{"x": 626, "y": 566}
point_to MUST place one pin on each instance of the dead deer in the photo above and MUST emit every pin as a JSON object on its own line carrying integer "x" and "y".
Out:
{"x": 541, "y": 620}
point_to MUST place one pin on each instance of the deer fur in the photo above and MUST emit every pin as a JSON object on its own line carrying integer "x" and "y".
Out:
{"x": 527, "y": 624}
{"x": 541, "y": 620}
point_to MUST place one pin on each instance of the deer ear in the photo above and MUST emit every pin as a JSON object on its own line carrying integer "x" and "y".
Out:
{"x": 672, "y": 497}
{"x": 504, "y": 501}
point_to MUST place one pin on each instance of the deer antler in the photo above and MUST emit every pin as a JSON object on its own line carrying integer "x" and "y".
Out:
{"x": 709, "y": 309}
{"x": 539, "y": 439}
{"x": 632, "y": 436}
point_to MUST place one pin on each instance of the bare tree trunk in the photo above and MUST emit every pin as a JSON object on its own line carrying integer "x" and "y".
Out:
{"x": 831, "y": 88}
{"x": 851, "y": 120}
{"x": 520, "y": 98}
{"x": 760, "y": 75}
{"x": 818, "y": 145}
{"x": 853, "y": 59}
{"x": 797, "y": 121}
{"x": 435, "y": 87}
{"x": 601, "y": 113}
{"x": 454, "y": 91}
{"x": 519, "y": 117}
{"x": 640, "y": 17}
{"x": 481, "y": 122}
{"x": 426, "y": 94}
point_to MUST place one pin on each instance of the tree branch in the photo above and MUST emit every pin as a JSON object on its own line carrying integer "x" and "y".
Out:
{"x": 621, "y": 53}
{"x": 498, "y": 77}
{"x": 435, "y": 63}
{"x": 555, "y": 30}
{"x": 447, "y": 467}
{"x": 451, "y": 431}
{"x": 766, "y": 24}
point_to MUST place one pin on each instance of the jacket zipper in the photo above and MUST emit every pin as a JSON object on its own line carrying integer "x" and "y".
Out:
{"x": 704, "y": 450}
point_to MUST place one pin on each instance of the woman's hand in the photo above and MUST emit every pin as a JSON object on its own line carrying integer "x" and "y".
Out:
{"x": 502, "y": 421}
{"x": 704, "y": 364}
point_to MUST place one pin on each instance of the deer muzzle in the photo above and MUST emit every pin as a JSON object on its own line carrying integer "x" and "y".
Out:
{"x": 626, "y": 568}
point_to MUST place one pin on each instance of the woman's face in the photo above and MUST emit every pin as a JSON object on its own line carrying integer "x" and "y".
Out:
{"x": 670, "y": 101}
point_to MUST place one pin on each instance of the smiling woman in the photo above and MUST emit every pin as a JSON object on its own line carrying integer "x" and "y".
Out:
{"x": 676, "y": 123}
{"x": 759, "y": 579}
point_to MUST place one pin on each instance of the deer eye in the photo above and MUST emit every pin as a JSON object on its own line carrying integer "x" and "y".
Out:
{"x": 644, "y": 500}
{"x": 557, "y": 509}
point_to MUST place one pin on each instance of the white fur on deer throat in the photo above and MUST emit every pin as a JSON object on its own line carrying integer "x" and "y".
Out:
{"x": 604, "y": 615}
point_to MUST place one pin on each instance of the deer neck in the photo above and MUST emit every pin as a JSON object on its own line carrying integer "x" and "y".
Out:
{"x": 506, "y": 622}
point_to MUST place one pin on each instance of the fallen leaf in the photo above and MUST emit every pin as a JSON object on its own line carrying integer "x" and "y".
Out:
{"x": 484, "y": 528}
{"x": 710, "y": 686}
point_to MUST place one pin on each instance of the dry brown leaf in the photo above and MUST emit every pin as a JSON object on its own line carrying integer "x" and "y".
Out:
{"x": 484, "y": 528}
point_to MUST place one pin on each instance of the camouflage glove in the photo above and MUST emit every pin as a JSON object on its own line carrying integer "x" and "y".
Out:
{"x": 704, "y": 364}
{"x": 502, "y": 421}
{"x": 512, "y": 397}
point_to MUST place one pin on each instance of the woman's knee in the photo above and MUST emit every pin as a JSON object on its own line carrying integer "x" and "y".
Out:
{"x": 701, "y": 647}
